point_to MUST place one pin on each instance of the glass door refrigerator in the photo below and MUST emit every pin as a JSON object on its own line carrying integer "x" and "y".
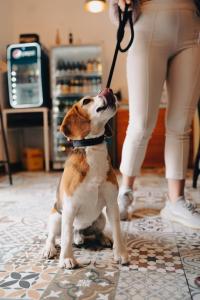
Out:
{"x": 76, "y": 71}
{"x": 28, "y": 75}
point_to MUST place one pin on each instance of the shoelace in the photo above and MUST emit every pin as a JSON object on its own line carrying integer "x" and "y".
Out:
{"x": 192, "y": 207}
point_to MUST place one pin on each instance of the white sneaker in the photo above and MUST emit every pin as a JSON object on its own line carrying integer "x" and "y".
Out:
{"x": 182, "y": 211}
{"x": 125, "y": 199}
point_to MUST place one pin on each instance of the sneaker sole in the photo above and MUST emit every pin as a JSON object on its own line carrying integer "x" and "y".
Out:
{"x": 177, "y": 219}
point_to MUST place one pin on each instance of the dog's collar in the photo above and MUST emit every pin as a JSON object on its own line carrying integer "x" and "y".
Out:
{"x": 86, "y": 142}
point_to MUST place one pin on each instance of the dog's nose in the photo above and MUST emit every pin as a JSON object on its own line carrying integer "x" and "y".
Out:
{"x": 108, "y": 94}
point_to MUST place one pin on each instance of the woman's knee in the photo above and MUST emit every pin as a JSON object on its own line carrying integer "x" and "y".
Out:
{"x": 138, "y": 133}
{"x": 179, "y": 126}
{"x": 178, "y": 133}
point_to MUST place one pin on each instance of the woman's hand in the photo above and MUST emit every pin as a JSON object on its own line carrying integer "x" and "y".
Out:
{"x": 122, "y": 3}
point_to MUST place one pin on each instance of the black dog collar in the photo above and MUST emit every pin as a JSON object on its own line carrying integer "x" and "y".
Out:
{"x": 86, "y": 142}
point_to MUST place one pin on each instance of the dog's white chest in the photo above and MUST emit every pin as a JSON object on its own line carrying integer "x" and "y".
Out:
{"x": 89, "y": 209}
{"x": 97, "y": 158}
{"x": 88, "y": 197}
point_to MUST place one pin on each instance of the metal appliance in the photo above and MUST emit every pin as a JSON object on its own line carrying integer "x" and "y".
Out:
{"x": 28, "y": 75}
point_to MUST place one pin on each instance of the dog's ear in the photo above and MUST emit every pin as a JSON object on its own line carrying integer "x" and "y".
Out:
{"x": 76, "y": 124}
{"x": 108, "y": 130}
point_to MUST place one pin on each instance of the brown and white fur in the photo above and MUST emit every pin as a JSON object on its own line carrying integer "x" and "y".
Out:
{"x": 88, "y": 184}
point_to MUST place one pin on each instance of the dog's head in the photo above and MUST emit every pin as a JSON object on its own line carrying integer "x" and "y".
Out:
{"x": 89, "y": 116}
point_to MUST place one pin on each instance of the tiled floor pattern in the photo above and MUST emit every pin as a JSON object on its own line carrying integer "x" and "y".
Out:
{"x": 165, "y": 257}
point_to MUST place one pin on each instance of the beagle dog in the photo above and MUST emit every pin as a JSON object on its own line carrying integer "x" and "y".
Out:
{"x": 88, "y": 183}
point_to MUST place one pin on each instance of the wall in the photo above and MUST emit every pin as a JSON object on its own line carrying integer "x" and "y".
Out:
{"x": 6, "y": 36}
{"x": 6, "y": 25}
{"x": 45, "y": 16}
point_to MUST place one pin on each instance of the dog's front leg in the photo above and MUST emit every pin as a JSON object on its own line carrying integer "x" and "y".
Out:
{"x": 67, "y": 259}
{"x": 112, "y": 210}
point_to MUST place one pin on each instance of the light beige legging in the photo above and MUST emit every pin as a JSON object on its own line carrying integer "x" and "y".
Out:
{"x": 166, "y": 47}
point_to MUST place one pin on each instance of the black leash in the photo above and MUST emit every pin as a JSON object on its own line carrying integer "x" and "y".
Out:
{"x": 123, "y": 19}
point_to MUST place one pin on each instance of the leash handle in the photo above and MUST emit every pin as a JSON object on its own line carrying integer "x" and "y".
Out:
{"x": 127, "y": 17}
{"x": 123, "y": 19}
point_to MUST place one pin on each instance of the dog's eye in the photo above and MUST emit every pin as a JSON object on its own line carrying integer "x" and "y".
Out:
{"x": 86, "y": 101}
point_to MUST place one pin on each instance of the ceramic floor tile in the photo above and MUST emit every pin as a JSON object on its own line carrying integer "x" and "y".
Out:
{"x": 92, "y": 282}
{"x": 149, "y": 224}
{"x": 25, "y": 281}
{"x": 189, "y": 249}
{"x": 189, "y": 241}
{"x": 164, "y": 256}
{"x": 156, "y": 252}
{"x": 191, "y": 275}
{"x": 151, "y": 286}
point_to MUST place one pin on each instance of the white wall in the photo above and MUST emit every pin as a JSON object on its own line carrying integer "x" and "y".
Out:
{"x": 45, "y": 16}
{"x": 6, "y": 36}
{"x": 6, "y": 25}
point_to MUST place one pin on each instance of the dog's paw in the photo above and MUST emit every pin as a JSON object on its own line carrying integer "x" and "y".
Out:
{"x": 68, "y": 263}
{"x": 105, "y": 241}
{"x": 121, "y": 256}
{"x": 49, "y": 251}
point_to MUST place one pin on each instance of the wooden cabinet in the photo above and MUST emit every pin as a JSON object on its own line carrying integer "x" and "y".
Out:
{"x": 155, "y": 151}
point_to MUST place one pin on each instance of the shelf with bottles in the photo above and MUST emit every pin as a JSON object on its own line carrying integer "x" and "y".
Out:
{"x": 61, "y": 156}
{"x": 77, "y": 85}
{"x": 58, "y": 135}
{"x": 76, "y": 71}
{"x": 90, "y": 67}
{"x": 78, "y": 75}
{"x": 60, "y": 147}
{"x": 59, "y": 138}
{"x": 61, "y": 152}
{"x": 78, "y": 96}
{"x": 57, "y": 117}
{"x": 63, "y": 101}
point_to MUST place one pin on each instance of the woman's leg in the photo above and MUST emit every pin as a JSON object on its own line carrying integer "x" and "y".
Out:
{"x": 175, "y": 188}
{"x": 146, "y": 72}
{"x": 184, "y": 91}
{"x": 128, "y": 181}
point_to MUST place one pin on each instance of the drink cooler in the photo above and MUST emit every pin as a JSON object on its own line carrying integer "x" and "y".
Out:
{"x": 28, "y": 75}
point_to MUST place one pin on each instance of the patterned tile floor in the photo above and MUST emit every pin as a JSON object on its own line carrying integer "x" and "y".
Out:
{"x": 165, "y": 257}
